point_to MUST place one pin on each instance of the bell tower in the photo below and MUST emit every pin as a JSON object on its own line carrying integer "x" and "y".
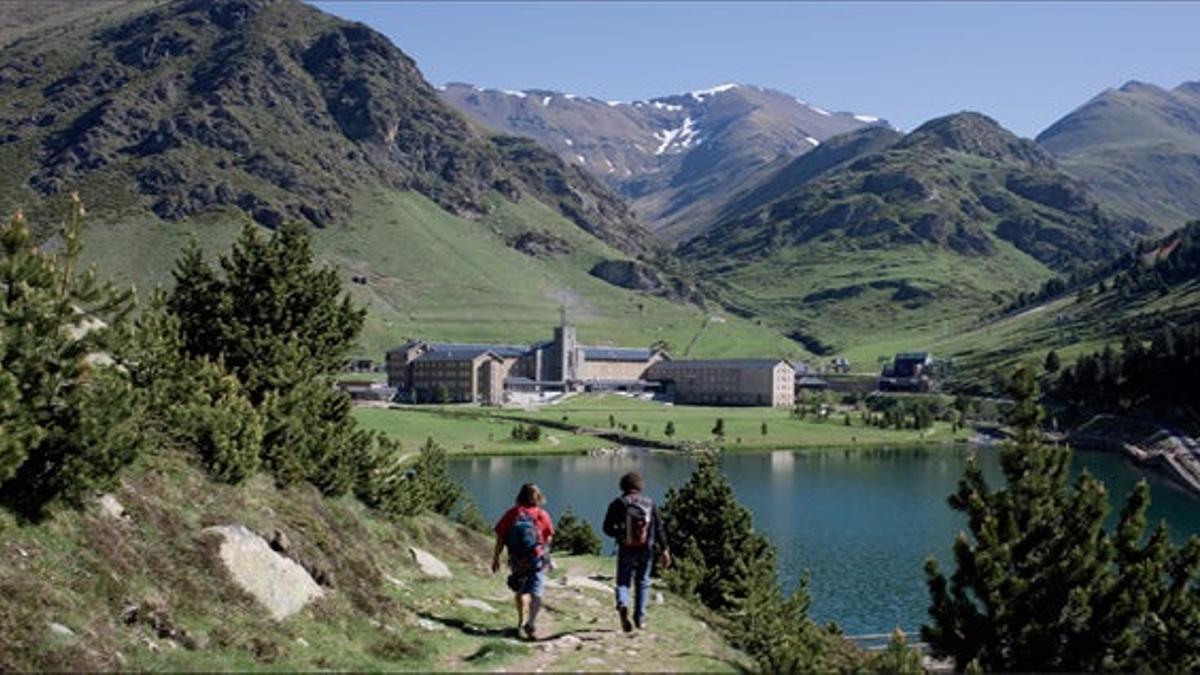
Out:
{"x": 568, "y": 348}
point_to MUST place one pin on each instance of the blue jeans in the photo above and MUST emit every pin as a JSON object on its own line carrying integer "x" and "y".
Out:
{"x": 633, "y": 568}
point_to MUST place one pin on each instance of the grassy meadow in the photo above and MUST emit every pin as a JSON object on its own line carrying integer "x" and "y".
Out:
{"x": 472, "y": 430}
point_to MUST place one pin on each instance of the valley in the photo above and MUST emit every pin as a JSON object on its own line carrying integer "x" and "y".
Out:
{"x": 933, "y": 379}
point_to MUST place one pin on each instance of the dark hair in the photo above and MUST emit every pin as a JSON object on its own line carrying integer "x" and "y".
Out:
{"x": 632, "y": 482}
{"x": 530, "y": 495}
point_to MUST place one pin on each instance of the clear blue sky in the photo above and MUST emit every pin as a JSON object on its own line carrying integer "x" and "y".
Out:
{"x": 1026, "y": 64}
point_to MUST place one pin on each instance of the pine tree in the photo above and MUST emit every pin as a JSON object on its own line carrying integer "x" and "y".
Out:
{"x": 191, "y": 401}
{"x": 280, "y": 325}
{"x": 1053, "y": 364}
{"x": 271, "y": 307}
{"x": 1040, "y": 585}
{"x": 706, "y": 511}
{"x": 67, "y": 417}
{"x": 729, "y": 567}
{"x": 669, "y": 430}
{"x": 775, "y": 629}
{"x": 431, "y": 473}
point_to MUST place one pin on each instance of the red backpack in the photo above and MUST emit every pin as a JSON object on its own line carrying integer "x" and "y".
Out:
{"x": 638, "y": 510}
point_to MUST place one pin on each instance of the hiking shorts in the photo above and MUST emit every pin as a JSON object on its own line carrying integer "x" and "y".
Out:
{"x": 527, "y": 581}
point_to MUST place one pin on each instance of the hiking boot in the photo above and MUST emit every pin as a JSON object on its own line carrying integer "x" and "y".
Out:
{"x": 625, "y": 624}
{"x": 530, "y": 631}
{"x": 639, "y": 622}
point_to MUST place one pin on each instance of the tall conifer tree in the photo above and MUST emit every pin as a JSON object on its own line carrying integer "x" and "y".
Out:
{"x": 66, "y": 416}
{"x": 1041, "y": 585}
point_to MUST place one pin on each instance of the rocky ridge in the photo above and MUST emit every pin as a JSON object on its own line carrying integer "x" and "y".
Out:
{"x": 673, "y": 156}
{"x": 267, "y": 106}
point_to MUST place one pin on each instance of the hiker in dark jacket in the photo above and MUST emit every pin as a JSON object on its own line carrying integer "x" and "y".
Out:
{"x": 525, "y": 530}
{"x": 634, "y": 522}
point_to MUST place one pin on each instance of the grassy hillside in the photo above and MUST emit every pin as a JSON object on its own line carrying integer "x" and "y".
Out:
{"x": 147, "y": 591}
{"x": 1136, "y": 296}
{"x": 874, "y": 302}
{"x": 434, "y": 275}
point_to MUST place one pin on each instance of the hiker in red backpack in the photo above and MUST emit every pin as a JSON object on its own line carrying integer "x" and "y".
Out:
{"x": 633, "y": 520}
{"x": 525, "y": 530}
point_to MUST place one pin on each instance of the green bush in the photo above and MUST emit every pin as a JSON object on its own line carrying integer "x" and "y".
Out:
{"x": 468, "y": 515}
{"x": 526, "y": 432}
{"x": 226, "y": 431}
{"x": 575, "y": 536}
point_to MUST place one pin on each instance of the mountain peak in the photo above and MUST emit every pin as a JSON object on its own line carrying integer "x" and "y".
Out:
{"x": 701, "y": 94}
{"x": 1137, "y": 86}
{"x": 977, "y": 134}
{"x": 1192, "y": 88}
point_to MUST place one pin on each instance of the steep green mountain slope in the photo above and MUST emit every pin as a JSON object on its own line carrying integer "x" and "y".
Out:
{"x": 1138, "y": 147}
{"x": 911, "y": 241}
{"x": 269, "y": 106}
{"x": 179, "y": 120}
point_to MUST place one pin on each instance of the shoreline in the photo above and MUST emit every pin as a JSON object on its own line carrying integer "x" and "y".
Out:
{"x": 1183, "y": 470}
{"x": 628, "y": 449}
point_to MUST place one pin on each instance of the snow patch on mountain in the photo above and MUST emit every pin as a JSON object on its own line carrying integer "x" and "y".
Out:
{"x": 700, "y": 94}
{"x": 518, "y": 94}
{"x": 659, "y": 105}
{"x": 819, "y": 111}
{"x": 569, "y": 142}
{"x": 812, "y": 141}
{"x": 546, "y": 100}
{"x": 866, "y": 118}
{"x": 682, "y": 137}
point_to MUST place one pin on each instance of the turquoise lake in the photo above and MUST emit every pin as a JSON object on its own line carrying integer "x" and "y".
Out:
{"x": 859, "y": 523}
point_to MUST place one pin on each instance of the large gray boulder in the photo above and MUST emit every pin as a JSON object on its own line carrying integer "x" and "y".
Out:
{"x": 278, "y": 583}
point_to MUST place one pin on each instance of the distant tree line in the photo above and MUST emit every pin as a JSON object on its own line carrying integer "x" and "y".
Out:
{"x": 1152, "y": 267}
{"x": 1160, "y": 377}
{"x": 1175, "y": 261}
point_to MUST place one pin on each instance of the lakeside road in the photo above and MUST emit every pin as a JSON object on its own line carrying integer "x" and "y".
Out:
{"x": 581, "y": 425}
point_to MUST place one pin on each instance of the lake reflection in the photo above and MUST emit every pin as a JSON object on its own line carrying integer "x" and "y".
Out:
{"x": 861, "y": 523}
